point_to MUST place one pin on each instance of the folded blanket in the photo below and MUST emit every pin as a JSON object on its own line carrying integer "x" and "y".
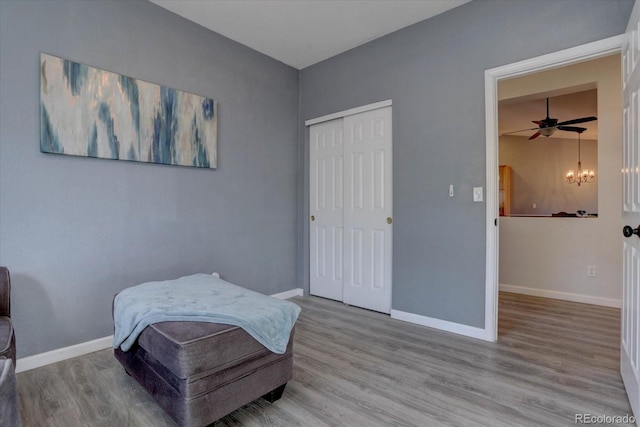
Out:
{"x": 202, "y": 298}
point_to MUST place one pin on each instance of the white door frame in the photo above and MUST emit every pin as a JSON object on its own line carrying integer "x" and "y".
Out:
{"x": 349, "y": 112}
{"x": 492, "y": 76}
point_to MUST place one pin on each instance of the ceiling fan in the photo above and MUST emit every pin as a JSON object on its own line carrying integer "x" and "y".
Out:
{"x": 548, "y": 126}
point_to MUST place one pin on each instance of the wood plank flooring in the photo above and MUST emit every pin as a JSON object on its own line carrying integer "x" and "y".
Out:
{"x": 354, "y": 367}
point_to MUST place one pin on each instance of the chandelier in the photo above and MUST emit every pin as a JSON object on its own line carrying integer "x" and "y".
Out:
{"x": 580, "y": 175}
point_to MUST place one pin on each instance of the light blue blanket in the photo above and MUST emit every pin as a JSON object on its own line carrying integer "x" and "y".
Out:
{"x": 203, "y": 298}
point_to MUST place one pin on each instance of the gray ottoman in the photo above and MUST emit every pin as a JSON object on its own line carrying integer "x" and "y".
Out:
{"x": 199, "y": 372}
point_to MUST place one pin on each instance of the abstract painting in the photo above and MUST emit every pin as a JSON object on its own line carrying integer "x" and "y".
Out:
{"x": 86, "y": 111}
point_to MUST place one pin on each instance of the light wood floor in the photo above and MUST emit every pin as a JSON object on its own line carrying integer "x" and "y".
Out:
{"x": 354, "y": 367}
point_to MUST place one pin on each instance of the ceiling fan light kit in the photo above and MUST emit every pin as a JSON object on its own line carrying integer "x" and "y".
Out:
{"x": 547, "y": 131}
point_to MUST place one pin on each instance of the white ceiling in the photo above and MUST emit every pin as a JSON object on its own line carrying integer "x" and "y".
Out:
{"x": 303, "y": 32}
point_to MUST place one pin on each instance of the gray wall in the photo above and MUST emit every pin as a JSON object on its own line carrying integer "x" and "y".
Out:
{"x": 434, "y": 73}
{"x": 74, "y": 231}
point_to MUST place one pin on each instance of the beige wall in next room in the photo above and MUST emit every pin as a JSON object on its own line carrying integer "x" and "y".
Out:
{"x": 538, "y": 174}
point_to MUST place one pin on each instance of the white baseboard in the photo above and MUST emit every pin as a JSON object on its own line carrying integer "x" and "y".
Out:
{"x": 297, "y": 292}
{"x": 443, "y": 325}
{"x": 64, "y": 353}
{"x": 566, "y": 296}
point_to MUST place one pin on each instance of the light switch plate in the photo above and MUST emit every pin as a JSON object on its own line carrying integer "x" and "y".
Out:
{"x": 477, "y": 194}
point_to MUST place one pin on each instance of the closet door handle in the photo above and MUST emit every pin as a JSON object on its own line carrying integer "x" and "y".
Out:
{"x": 313, "y": 218}
{"x": 389, "y": 220}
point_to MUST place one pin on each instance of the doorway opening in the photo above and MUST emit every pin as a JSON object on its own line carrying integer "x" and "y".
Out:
{"x": 493, "y": 77}
{"x": 557, "y": 241}
{"x": 552, "y": 250}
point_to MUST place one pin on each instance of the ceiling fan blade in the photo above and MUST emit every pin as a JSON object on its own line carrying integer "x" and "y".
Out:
{"x": 575, "y": 121}
{"x": 535, "y": 135}
{"x": 572, "y": 129}
{"x": 521, "y": 130}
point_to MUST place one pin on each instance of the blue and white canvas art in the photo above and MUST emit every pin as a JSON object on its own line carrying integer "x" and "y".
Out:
{"x": 86, "y": 111}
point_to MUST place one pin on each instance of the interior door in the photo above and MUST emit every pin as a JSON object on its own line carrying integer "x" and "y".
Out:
{"x": 368, "y": 210}
{"x": 630, "y": 325}
{"x": 326, "y": 210}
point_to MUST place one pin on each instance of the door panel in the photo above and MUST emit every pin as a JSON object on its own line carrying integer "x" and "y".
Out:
{"x": 356, "y": 263}
{"x": 326, "y": 196}
{"x": 368, "y": 205}
{"x": 630, "y": 325}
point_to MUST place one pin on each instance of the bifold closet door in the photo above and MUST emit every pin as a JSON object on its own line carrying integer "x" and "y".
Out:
{"x": 351, "y": 209}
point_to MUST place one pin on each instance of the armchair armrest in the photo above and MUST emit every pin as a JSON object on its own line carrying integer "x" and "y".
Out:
{"x": 5, "y": 292}
{"x": 9, "y": 411}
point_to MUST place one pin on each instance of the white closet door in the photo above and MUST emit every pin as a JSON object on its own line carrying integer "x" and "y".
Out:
{"x": 326, "y": 210}
{"x": 367, "y": 210}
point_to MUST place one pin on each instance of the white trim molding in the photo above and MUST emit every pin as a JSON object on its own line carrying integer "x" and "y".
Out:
{"x": 350, "y": 112}
{"x": 64, "y": 353}
{"x": 589, "y": 51}
{"x": 565, "y": 296}
{"x": 297, "y": 292}
{"x": 443, "y": 325}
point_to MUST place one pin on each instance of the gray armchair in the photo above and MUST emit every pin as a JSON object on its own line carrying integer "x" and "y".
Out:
{"x": 9, "y": 411}
{"x": 7, "y": 337}
{"x": 9, "y": 415}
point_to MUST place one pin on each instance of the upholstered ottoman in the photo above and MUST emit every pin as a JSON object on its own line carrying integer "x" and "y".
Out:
{"x": 176, "y": 338}
{"x": 199, "y": 372}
